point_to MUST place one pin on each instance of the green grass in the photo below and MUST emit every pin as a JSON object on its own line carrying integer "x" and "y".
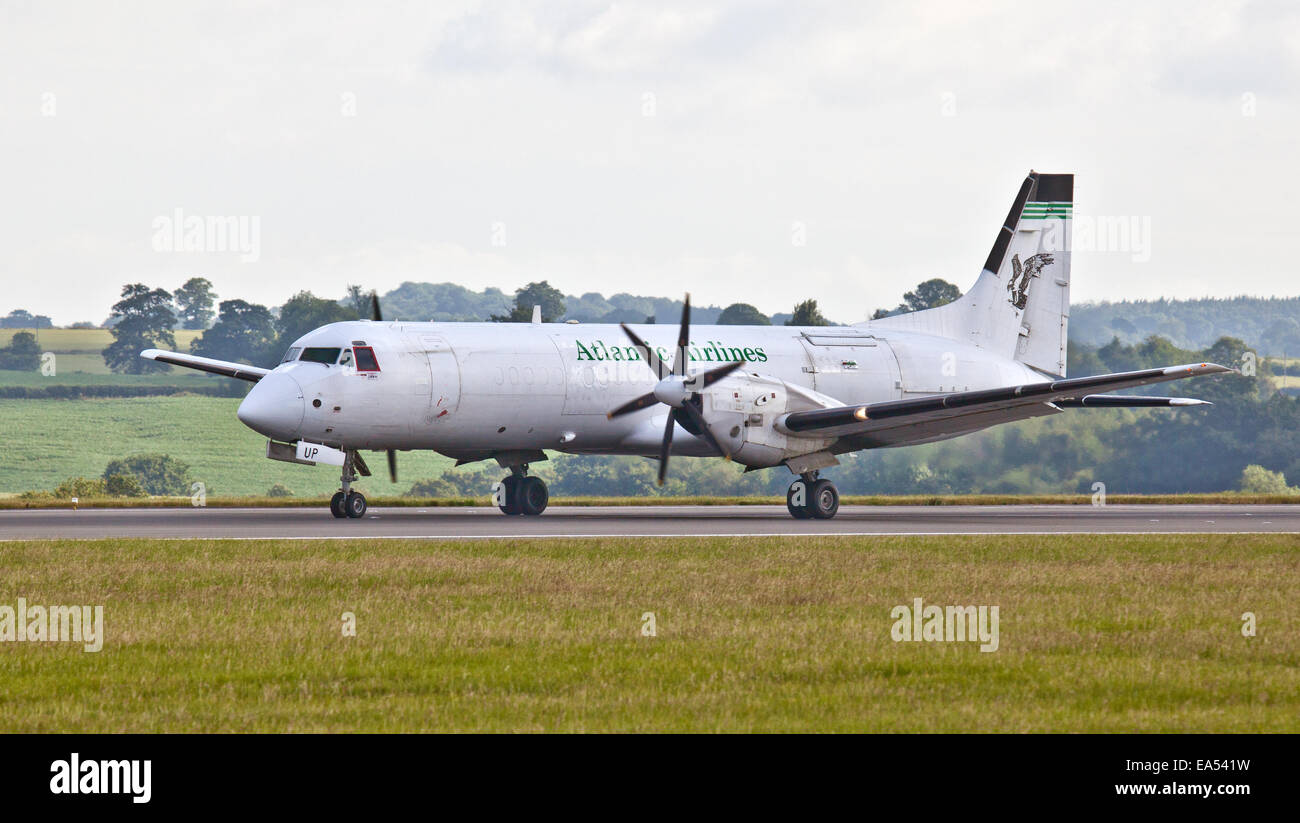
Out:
{"x": 79, "y": 362}
{"x": 68, "y": 438}
{"x": 86, "y": 341}
{"x": 1114, "y": 634}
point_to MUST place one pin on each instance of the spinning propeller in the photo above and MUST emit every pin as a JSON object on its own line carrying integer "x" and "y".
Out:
{"x": 378, "y": 316}
{"x": 677, "y": 390}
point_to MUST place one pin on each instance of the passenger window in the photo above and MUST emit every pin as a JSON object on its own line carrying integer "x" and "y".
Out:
{"x": 366, "y": 359}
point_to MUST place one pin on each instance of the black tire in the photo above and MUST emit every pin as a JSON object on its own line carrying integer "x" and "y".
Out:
{"x": 510, "y": 488}
{"x": 533, "y": 496}
{"x": 798, "y": 512}
{"x": 336, "y": 506}
{"x": 823, "y": 500}
{"x": 356, "y": 505}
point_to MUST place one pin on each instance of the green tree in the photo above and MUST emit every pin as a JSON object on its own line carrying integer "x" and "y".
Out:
{"x": 930, "y": 294}
{"x": 357, "y": 299}
{"x": 23, "y": 319}
{"x": 155, "y": 473}
{"x": 1255, "y": 479}
{"x": 304, "y": 312}
{"x": 541, "y": 294}
{"x": 194, "y": 303}
{"x": 742, "y": 314}
{"x": 22, "y": 354}
{"x": 807, "y": 314}
{"x": 123, "y": 485}
{"x": 142, "y": 319}
{"x": 80, "y": 487}
{"x": 243, "y": 332}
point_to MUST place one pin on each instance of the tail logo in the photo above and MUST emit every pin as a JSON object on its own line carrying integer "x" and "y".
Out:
{"x": 1018, "y": 285}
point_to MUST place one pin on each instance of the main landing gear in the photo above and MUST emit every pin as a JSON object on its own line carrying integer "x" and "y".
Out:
{"x": 347, "y": 503}
{"x": 812, "y": 498}
{"x": 521, "y": 493}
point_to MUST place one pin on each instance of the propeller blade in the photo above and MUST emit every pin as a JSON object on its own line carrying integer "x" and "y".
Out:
{"x": 392, "y": 465}
{"x": 712, "y": 376}
{"x": 683, "y": 339}
{"x": 698, "y": 418}
{"x": 666, "y": 445}
{"x": 375, "y": 313}
{"x": 661, "y": 369}
{"x": 645, "y": 401}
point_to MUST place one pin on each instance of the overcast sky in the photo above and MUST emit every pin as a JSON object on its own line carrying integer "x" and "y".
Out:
{"x": 755, "y": 152}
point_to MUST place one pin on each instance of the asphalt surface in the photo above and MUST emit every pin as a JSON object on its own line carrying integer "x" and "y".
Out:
{"x": 643, "y": 521}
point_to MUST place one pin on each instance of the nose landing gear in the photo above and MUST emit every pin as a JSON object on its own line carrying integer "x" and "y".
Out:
{"x": 521, "y": 493}
{"x": 812, "y": 498}
{"x": 347, "y": 503}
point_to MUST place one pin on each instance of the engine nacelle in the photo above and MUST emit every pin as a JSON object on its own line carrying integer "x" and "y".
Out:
{"x": 742, "y": 410}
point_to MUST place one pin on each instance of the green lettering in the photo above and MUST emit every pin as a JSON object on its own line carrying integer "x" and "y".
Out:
{"x": 583, "y": 354}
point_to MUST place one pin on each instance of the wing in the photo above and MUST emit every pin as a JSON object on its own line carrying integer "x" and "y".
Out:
{"x": 239, "y": 371}
{"x": 900, "y": 422}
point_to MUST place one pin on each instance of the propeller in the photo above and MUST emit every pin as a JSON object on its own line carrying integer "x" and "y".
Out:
{"x": 676, "y": 389}
{"x": 378, "y": 316}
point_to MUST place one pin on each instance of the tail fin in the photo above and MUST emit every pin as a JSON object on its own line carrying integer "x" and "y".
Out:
{"x": 1020, "y": 305}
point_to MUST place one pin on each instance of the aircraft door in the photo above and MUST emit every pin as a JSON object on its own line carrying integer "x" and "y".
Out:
{"x": 443, "y": 387}
{"x": 851, "y": 366}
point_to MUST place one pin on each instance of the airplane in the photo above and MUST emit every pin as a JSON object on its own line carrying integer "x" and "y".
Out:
{"x": 762, "y": 396}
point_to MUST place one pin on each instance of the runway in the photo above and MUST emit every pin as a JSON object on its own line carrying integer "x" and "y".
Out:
{"x": 641, "y": 521}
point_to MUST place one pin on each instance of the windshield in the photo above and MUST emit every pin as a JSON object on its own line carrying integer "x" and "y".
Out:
{"x": 320, "y": 355}
{"x": 291, "y": 355}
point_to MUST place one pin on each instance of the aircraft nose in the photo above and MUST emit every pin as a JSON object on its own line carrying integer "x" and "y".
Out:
{"x": 274, "y": 407}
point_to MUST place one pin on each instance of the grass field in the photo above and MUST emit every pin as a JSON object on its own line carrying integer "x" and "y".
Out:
{"x": 1116, "y": 634}
{"x": 69, "y": 438}
{"x": 79, "y": 361}
{"x": 86, "y": 341}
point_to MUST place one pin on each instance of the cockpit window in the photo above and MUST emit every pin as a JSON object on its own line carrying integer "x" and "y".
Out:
{"x": 320, "y": 355}
{"x": 291, "y": 355}
{"x": 366, "y": 360}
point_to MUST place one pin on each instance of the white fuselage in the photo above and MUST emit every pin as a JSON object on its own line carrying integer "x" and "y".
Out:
{"x": 471, "y": 390}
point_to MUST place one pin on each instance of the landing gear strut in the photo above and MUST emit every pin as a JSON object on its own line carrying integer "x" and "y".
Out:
{"x": 521, "y": 493}
{"x": 347, "y": 503}
{"x": 811, "y": 497}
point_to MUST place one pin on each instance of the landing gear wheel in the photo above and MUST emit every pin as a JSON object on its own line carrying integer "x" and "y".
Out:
{"x": 510, "y": 495}
{"x": 823, "y": 500}
{"x": 336, "y": 505}
{"x": 533, "y": 495}
{"x": 355, "y": 505}
{"x": 796, "y": 500}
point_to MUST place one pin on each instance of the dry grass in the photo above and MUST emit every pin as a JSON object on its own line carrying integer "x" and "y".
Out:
{"x": 1115, "y": 633}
